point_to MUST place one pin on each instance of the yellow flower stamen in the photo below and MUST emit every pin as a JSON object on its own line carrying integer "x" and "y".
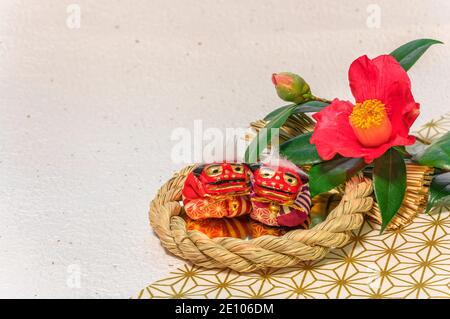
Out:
{"x": 371, "y": 123}
{"x": 368, "y": 114}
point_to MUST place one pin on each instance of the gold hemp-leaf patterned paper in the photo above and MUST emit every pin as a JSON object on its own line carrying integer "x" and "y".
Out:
{"x": 413, "y": 262}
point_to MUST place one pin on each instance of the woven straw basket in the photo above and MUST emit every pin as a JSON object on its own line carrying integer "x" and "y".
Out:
{"x": 271, "y": 251}
{"x": 262, "y": 252}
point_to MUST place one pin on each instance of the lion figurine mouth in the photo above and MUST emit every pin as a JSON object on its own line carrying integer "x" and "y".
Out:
{"x": 275, "y": 194}
{"x": 229, "y": 185}
{"x": 228, "y": 181}
{"x": 277, "y": 190}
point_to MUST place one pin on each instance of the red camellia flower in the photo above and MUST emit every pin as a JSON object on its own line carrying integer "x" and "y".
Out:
{"x": 380, "y": 119}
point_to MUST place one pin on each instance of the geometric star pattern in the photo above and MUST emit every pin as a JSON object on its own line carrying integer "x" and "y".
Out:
{"x": 413, "y": 262}
{"x": 434, "y": 128}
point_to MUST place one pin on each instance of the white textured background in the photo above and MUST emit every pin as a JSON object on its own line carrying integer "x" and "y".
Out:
{"x": 86, "y": 114}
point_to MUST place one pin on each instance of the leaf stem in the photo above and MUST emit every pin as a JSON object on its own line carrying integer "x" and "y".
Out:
{"x": 315, "y": 98}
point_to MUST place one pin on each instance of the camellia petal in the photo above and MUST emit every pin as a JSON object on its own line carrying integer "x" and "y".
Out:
{"x": 390, "y": 72}
{"x": 369, "y": 78}
{"x": 362, "y": 75}
{"x": 333, "y": 133}
{"x": 401, "y": 108}
{"x": 382, "y": 90}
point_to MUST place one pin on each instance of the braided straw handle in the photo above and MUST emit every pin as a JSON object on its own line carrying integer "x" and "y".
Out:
{"x": 262, "y": 252}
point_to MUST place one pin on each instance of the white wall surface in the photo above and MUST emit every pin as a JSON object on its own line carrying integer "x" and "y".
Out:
{"x": 86, "y": 114}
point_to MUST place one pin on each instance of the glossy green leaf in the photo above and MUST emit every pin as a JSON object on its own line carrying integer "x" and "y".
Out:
{"x": 300, "y": 151}
{"x": 330, "y": 174}
{"x": 437, "y": 154}
{"x": 389, "y": 179}
{"x": 264, "y": 136}
{"x": 310, "y": 107}
{"x": 277, "y": 111}
{"x": 439, "y": 191}
{"x": 410, "y": 52}
{"x": 307, "y": 107}
{"x": 402, "y": 150}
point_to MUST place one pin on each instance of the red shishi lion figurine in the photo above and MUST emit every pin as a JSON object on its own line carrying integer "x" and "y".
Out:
{"x": 280, "y": 194}
{"x": 217, "y": 190}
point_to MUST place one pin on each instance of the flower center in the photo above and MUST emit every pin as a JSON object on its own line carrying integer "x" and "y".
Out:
{"x": 370, "y": 123}
{"x": 370, "y": 113}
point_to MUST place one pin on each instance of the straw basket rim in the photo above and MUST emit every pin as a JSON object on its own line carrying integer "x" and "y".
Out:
{"x": 263, "y": 252}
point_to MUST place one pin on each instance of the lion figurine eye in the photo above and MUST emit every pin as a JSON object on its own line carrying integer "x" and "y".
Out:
{"x": 239, "y": 169}
{"x": 214, "y": 170}
{"x": 290, "y": 179}
{"x": 267, "y": 172}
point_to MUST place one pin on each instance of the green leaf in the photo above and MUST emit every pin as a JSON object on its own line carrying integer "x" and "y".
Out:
{"x": 410, "y": 52}
{"x": 437, "y": 154}
{"x": 307, "y": 107}
{"x": 264, "y": 136}
{"x": 439, "y": 191}
{"x": 328, "y": 175}
{"x": 402, "y": 150}
{"x": 310, "y": 107}
{"x": 389, "y": 179}
{"x": 300, "y": 151}
{"x": 277, "y": 111}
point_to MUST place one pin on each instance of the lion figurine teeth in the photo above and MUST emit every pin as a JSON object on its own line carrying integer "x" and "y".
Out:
{"x": 217, "y": 190}
{"x": 275, "y": 194}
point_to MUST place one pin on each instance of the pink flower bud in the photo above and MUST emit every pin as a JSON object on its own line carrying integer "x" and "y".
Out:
{"x": 291, "y": 87}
